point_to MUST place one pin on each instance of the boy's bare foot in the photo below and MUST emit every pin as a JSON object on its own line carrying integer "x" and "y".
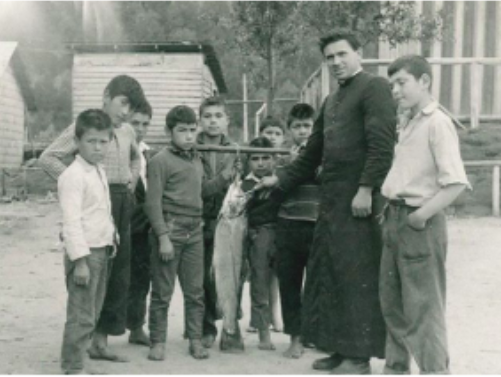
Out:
{"x": 105, "y": 354}
{"x": 138, "y": 336}
{"x": 197, "y": 350}
{"x": 208, "y": 340}
{"x": 265, "y": 343}
{"x": 296, "y": 349}
{"x": 157, "y": 352}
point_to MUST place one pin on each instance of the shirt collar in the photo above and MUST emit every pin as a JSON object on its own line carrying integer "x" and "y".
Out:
{"x": 430, "y": 108}
{"x": 87, "y": 167}
{"x": 349, "y": 79}
{"x": 189, "y": 154}
{"x": 143, "y": 146}
{"x": 223, "y": 141}
{"x": 252, "y": 177}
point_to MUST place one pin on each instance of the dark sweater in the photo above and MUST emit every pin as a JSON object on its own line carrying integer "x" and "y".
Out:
{"x": 261, "y": 211}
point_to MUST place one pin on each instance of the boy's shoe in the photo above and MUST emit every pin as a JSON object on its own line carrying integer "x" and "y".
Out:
{"x": 232, "y": 343}
{"x": 157, "y": 352}
{"x": 352, "y": 366}
{"x": 388, "y": 370}
{"x": 104, "y": 354}
{"x": 251, "y": 329}
{"x": 208, "y": 340}
{"x": 197, "y": 350}
{"x": 138, "y": 336}
{"x": 328, "y": 363}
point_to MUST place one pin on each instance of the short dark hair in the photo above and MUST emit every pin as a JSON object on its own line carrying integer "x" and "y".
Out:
{"x": 93, "y": 119}
{"x": 416, "y": 65}
{"x": 143, "y": 107}
{"x": 270, "y": 121}
{"x": 212, "y": 101}
{"x": 127, "y": 86}
{"x": 261, "y": 142}
{"x": 300, "y": 111}
{"x": 180, "y": 114}
{"x": 340, "y": 35}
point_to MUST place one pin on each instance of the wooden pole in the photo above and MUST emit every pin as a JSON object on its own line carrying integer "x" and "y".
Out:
{"x": 475, "y": 90}
{"x": 457, "y": 71}
{"x": 325, "y": 82}
{"x": 495, "y": 191}
{"x": 240, "y": 149}
{"x": 4, "y": 188}
{"x": 246, "y": 109}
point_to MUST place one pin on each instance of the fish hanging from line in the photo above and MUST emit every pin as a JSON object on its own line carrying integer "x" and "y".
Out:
{"x": 228, "y": 260}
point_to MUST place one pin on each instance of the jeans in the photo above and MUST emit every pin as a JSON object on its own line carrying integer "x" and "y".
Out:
{"x": 83, "y": 308}
{"x": 261, "y": 256}
{"x": 114, "y": 314}
{"x": 210, "y": 296}
{"x": 413, "y": 292}
{"x": 294, "y": 240}
{"x": 185, "y": 233}
{"x": 140, "y": 280}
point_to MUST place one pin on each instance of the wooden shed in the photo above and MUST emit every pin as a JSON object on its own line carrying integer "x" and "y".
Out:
{"x": 170, "y": 73}
{"x": 15, "y": 98}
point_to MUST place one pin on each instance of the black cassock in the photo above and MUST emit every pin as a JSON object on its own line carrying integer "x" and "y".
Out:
{"x": 353, "y": 139}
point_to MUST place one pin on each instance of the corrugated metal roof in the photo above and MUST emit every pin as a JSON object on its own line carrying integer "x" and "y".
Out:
{"x": 8, "y": 54}
{"x": 174, "y": 47}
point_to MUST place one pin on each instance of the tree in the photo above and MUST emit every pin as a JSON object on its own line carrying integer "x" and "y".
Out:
{"x": 264, "y": 29}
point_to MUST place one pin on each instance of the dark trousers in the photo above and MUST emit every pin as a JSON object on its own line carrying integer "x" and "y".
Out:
{"x": 210, "y": 296}
{"x": 83, "y": 308}
{"x": 185, "y": 233}
{"x": 294, "y": 240}
{"x": 140, "y": 279}
{"x": 261, "y": 254}
{"x": 114, "y": 314}
{"x": 412, "y": 292}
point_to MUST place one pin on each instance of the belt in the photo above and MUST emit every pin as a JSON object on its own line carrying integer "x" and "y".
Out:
{"x": 400, "y": 203}
{"x": 118, "y": 187}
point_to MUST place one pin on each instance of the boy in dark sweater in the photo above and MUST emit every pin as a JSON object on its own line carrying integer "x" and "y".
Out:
{"x": 174, "y": 208}
{"x": 262, "y": 217}
{"x": 296, "y": 222}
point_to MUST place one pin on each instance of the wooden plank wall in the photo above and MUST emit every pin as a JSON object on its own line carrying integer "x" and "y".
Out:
{"x": 167, "y": 79}
{"x": 12, "y": 131}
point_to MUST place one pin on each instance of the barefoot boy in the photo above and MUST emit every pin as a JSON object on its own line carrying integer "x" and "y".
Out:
{"x": 427, "y": 175}
{"x": 88, "y": 234}
{"x": 296, "y": 222}
{"x": 174, "y": 207}
{"x": 262, "y": 217}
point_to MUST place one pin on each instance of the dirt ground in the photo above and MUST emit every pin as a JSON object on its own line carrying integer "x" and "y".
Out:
{"x": 32, "y": 307}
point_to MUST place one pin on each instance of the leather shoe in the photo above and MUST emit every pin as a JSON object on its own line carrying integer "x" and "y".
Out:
{"x": 328, "y": 363}
{"x": 352, "y": 366}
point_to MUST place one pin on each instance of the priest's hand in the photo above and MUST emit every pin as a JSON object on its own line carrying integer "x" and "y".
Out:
{"x": 361, "y": 206}
{"x": 267, "y": 182}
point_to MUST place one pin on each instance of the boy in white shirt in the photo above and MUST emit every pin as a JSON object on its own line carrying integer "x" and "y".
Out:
{"x": 88, "y": 233}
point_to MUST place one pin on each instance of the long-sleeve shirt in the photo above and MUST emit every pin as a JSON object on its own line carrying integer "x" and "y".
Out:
{"x": 85, "y": 202}
{"x": 176, "y": 185}
{"x": 122, "y": 162}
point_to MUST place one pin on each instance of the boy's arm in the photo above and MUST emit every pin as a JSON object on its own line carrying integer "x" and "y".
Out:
{"x": 70, "y": 192}
{"x": 157, "y": 176}
{"x": 51, "y": 159}
{"x": 452, "y": 177}
{"x": 219, "y": 183}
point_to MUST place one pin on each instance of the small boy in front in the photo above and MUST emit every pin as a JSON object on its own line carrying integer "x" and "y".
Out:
{"x": 262, "y": 218}
{"x": 88, "y": 233}
{"x": 295, "y": 226}
{"x": 174, "y": 208}
{"x": 427, "y": 175}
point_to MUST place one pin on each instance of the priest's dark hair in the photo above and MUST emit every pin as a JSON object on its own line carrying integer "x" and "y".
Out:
{"x": 340, "y": 35}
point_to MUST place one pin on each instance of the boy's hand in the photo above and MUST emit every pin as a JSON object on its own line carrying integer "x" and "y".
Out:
{"x": 114, "y": 251}
{"x": 267, "y": 182}
{"x": 416, "y": 221}
{"x": 361, "y": 206}
{"x": 238, "y": 165}
{"x": 166, "y": 248}
{"x": 81, "y": 275}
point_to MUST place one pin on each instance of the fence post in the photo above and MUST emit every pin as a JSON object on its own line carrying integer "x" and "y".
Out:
{"x": 495, "y": 191}
{"x": 325, "y": 80}
{"x": 475, "y": 88}
{"x": 246, "y": 109}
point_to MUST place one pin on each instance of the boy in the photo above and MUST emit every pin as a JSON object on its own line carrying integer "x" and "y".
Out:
{"x": 262, "y": 217}
{"x": 88, "y": 233}
{"x": 140, "y": 226}
{"x": 296, "y": 222}
{"x": 122, "y": 165}
{"x": 214, "y": 122}
{"x": 272, "y": 129}
{"x": 427, "y": 175}
{"x": 174, "y": 208}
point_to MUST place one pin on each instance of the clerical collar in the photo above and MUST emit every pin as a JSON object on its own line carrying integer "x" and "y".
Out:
{"x": 348, "y": 80}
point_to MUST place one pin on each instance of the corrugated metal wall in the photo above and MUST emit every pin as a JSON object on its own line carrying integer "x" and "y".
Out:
{"x": 167, "y": 79}
{"x": 12, "y": 132}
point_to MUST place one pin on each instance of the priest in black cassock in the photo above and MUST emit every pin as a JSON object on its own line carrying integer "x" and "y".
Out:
{"x": 353, "y": 140}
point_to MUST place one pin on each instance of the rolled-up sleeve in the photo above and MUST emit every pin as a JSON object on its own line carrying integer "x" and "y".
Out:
{"x": 157, "y": 176}
{"x": 51, "y": 160}
{"x": 444, "y": 144}
{"x": 70, "y": 192}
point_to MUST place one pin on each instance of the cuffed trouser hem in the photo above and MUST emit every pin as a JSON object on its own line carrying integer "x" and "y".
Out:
{"x": 388, "y": 370}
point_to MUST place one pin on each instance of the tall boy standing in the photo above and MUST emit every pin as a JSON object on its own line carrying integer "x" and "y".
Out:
{"x": 214, "y": 122}
{"x": 122, "y": 165}
{"x": 427, "y": 175}
{"x": 88, "y": 233}
{"x": 295, "y": 226}
{"x": 140, "y": 226}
